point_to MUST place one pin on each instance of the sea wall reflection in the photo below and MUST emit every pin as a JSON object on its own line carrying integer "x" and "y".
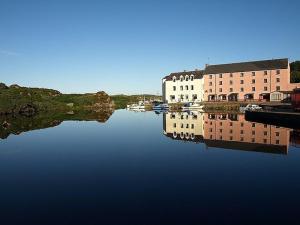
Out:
{"x": 228, "y": 131}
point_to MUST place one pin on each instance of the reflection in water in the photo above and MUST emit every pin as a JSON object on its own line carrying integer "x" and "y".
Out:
{"x": 19, "y": 124}
{"x": 229, "y": 131}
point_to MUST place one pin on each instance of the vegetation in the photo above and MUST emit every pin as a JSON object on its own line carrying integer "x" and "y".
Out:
{"x": 121, "y": 101}
{"x": 295, "y": 72}
{"x": 29, "y": 101}
{"x": 17, "y": 124}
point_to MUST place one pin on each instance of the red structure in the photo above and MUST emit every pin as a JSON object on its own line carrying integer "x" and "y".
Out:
{"x": 295, "y": 97}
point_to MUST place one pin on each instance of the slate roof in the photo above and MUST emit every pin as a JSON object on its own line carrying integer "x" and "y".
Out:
{"x": 248, "y": 66}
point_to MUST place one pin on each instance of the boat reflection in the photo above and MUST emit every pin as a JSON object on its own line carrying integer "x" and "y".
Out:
{"x": 228, "y": 131}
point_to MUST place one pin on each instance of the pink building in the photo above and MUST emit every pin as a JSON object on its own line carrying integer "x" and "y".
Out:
{"x": 267, "y": 80}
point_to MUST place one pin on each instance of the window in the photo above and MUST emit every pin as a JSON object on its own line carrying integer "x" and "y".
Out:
{"x": 174, "y": 125}
{"x": 277, "y": 80}
{"x": 253, "y": 132}
{"x": 231, "y": 75}
{"x": 242, "y": 89}
{"x": 277, "y": 134}
{"x": 187, "y": 126}
{"x": 253, "y": 140}
{"x": 174, "y": 88}
{"x": 187, "y": 97}
{"x": 210, "y": 90}
{"x": 242, "y": 139}
{"x": 182, "y": 125}
{"x": 221, "y": 130}
{"x": 265, "y": 125}
{"x": 231, "y": 138}
{"x": 220, "y": 75}
{"x": 265, "y": 133}
{"x": 220, "y": 89}
{"x": 253, "y": 124}
{"x": 241, "y": 81}
{"x": 181, "y": 88}
{"x": 194, "y": 96}
{"x": 231, "y": 82}
{"x": 265, "y": 141}
{"x": 221, "y": 123}
{"x": 186, "y": 78}
{"x": 230, "y": 89}
{"x": 277, "y": 142}
{"x": 172, "y": 97}
{"x": 242, "y": 131}
{"x": 192, "y": 87}
{"x": 277, "y": 72}
{"x": 220, "y": 82}
{"x": 265, "y": 80}
{"x": 230, "y": 124}
{"x": 277, "y": 88}
{"x": 253, "y": 81}
{"x": 242, "y": 124}
{"x": 253, "y": 73}
{"x": 230, "y": 131}
{"x": 265, "y": 72}
{"x": 253, "y": 88}
{"x": 221, "y": 137}
{"x": 242, "y": 75}
{"x": 186, "y": 87}
{"x": 192, "y": 126}
{"x": 210, "y": 76}
{"x": 174, "y": 79}
{"x": 210, "y": 83}
{"x": 181, "y": 78}
{"x": 192, "y": 77}
{"x": 265, "y": 88}
{"x": 210, "y": 129}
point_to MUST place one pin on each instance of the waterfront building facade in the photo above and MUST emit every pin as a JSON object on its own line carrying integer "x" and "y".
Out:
{"x": 266, "y": 80}
{"x": 187, "y": 86}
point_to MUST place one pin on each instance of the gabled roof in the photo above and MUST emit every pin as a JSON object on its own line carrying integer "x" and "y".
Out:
{"x": 198, "y": 74}
{"x": 248, "y": 66}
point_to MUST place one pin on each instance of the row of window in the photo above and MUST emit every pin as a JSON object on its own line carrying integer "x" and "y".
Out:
{"x": 242, "y": 132}
{"x": 242, "y": 74}
{"x": 242, "y": 81}
{"x": 186, "y": 78}
{"x": 265, "y": 141}
{"x": 242, "y": 89}
{"x": 192, "y": 126}
{"x": 194, "y": 97}
{"x": 181, "y": 87}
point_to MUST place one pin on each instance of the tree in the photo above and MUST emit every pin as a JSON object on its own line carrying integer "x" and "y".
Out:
{"x": 295, "y": 72}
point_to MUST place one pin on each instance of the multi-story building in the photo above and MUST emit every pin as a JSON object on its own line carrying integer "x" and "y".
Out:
{"x": 228, "y": 131}
{"x": 183, "y": 87}
{"x": 266, "y": 80}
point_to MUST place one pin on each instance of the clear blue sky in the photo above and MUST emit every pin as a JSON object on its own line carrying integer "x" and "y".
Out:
{"x": 128, "y": 46}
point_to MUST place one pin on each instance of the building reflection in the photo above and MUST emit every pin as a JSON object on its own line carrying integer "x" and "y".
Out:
{"x": 228, "y": 131}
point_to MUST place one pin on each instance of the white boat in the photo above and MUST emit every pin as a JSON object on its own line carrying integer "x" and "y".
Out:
{"x": 192, "y": 106}
{"x": 161, "y": 107}
{"x": 140, "y": 105}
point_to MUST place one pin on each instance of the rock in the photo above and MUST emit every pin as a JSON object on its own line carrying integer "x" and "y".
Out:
{"x": 27, "y": 110}
{"x": 14, "y": 86}
{"x": 3, "y": 86}
{"x": 5, "y": 124}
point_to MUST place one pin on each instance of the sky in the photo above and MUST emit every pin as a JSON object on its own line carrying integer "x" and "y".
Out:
{"x": 127, "y": 47}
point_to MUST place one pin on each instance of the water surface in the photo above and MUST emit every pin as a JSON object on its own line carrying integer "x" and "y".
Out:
{"x": 140, "y": 168}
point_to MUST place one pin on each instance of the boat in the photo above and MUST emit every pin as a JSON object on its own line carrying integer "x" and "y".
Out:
{"x": 140, "y": 105}
{"x": 163, "y": 106}
{"x": 192, "y": 106}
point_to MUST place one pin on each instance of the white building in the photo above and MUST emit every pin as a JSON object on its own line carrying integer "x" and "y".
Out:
{"x": 183, "y": 87}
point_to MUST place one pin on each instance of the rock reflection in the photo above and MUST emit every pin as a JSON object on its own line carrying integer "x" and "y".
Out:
{"x": 228, "y": 131}
{"x": 19, "y": 124}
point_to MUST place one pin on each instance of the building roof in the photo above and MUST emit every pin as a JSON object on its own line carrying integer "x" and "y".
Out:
{"x": 248, "y": 66}
{"x": 198, "y": 74}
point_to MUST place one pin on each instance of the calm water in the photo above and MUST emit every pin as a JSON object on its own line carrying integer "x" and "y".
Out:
{"x": 147, "y": 169}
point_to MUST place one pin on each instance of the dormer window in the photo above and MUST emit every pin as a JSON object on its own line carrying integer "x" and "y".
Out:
{"x": 174, "y": 79}
{"x": 181, "y": 78}
{"x": 186, "y": 78}
{"x": 192, "y": 77}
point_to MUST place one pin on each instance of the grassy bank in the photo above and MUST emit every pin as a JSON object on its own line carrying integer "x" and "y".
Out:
{"x": 24, "y": 100}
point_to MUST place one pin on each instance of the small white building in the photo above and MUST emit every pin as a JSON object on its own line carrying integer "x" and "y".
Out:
{"x": 187, "y": 86}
